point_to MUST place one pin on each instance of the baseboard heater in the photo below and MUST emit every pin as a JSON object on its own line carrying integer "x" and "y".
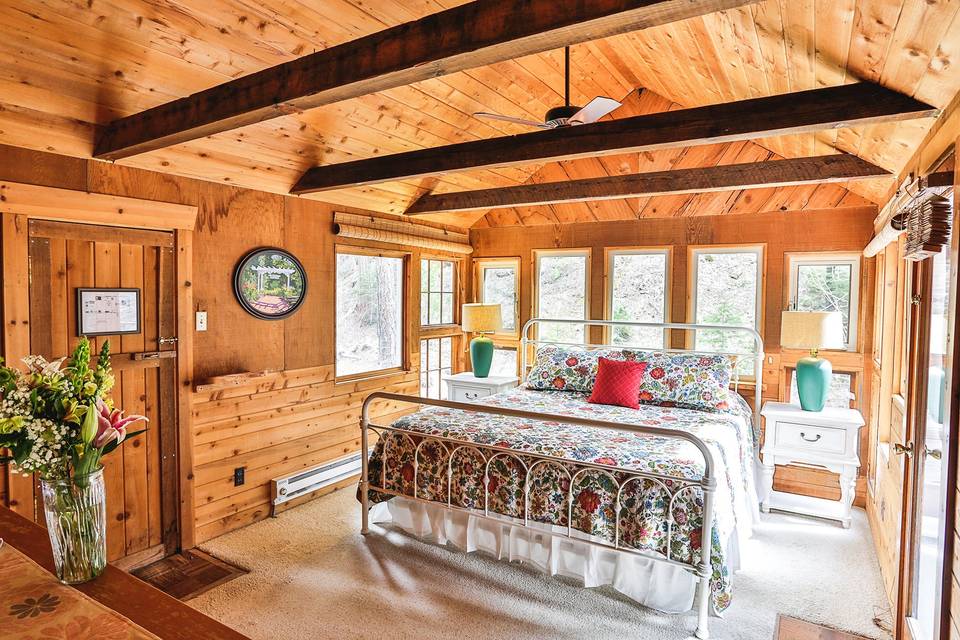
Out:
{"x": 287, "y": 488}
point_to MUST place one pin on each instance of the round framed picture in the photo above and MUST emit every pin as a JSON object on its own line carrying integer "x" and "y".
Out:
{"x": 270, "y": 283}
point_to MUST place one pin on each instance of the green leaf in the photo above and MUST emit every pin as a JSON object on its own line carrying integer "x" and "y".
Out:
{"x": 113, "y": 445}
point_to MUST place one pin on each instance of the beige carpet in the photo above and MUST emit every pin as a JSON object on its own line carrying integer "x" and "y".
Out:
{"x": 312, "y": 575}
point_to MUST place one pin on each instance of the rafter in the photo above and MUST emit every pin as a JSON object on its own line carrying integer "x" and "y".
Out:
{"x": 804, "y": 111}
{"x": 751, "y": 175}
{"x": 464, "y": 37}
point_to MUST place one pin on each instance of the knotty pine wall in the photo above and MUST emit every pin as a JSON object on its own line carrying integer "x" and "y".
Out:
{"x": 846, "y": 230}
{"x": 295, "y": 416}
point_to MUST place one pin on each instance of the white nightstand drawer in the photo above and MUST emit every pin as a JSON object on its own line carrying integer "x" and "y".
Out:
{"x": 468, "y": 394}
{"x": 804, "y": 436}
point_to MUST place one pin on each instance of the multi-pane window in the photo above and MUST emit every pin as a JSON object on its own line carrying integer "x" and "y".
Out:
{"x": 727, "y": 291}
{"x": 827, "y": 282}
{"x": 561, "y": 293}
{"x": 437, "y": 286}
{"x": 436, "y": 361}
{"x": 369, "y": 330}
{"x": 497, "y": 283}
{"x": 638, "y": 293}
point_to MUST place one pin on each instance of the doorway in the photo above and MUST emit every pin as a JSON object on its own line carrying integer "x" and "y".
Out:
{"x": 929, "y": 435}
{"x": 141, "y": 476}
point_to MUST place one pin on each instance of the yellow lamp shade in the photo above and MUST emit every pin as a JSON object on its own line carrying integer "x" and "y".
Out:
{"x": 812, "y": 330}
{"x": 481, "y": 318}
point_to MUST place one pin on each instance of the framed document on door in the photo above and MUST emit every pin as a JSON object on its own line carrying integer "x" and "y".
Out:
{"x": 107, "y": 312}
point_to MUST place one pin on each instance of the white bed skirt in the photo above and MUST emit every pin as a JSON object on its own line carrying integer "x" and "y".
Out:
{"x": 653, "y": 584}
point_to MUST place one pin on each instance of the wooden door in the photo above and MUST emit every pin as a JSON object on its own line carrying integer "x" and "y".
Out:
{"x": 140, "y": 476}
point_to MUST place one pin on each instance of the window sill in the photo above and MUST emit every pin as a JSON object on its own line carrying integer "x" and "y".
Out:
{"x": 369, "y": 375}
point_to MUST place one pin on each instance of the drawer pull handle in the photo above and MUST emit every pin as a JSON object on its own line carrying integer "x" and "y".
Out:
{"x": 804, "y": 436}
{"x": 471, "y": 396}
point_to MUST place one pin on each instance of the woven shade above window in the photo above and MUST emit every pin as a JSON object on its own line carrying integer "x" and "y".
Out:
{"x": 360, "y": 227}
{"x": 928, "y": 227}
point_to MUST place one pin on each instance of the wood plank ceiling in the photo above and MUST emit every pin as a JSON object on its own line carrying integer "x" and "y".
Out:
{"x": 68, "y": 66}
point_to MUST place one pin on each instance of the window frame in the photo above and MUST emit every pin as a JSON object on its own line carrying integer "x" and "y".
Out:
{"x": 759, "y": 249}
{"x": 457, "y": 262}
{"x": 426, "y": 357}
{"x": 584, "y": 252}
{"x": 796, "y": 260}
{"x": 608, "y": 273}
{"x": 405, "y": 257}
{"x": 500, "y": 263}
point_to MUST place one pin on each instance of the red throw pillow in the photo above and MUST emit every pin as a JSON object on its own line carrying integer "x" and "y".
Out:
{"x": 618, "y": 383}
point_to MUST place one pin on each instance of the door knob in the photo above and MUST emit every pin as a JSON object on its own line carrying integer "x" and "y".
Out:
{"x": 903, "y": 449}
{"x": 936, "y": 454}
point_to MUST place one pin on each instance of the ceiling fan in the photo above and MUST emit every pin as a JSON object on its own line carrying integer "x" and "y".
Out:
{"x": 564, "y": 116}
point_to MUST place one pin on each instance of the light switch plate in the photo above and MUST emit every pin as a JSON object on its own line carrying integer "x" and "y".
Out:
{"x": 201, "y": 320}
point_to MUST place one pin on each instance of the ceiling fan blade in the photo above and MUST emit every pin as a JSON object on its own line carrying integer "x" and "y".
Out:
{"x": 595, "y": 109}
{"x": 523, "y": 121}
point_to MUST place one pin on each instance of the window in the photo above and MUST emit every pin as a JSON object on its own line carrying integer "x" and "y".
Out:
{"x": 369, "y": 313}
{"x": 562, "y": 293}
{"x": 436, "y": 361}
{"x": 637, "y": 282}
{"x": 727, "y": 291}
{"x": 827, "y": 282}
{"x": 437, "y": 286}
{"x": 498, "y": 282}
{"x": 840, "y": 393}
{"x": 505, "y": 361}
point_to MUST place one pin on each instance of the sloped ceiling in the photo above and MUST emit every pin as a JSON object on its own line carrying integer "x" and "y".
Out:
{"x": 70, "y": 66}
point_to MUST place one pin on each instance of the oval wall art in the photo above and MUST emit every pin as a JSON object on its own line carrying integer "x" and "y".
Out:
{"x": 270, "y": 283}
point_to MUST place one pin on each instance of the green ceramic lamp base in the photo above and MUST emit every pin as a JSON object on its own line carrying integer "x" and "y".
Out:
{"x": 481, "y": 355}
{"x": 813, "y": 382}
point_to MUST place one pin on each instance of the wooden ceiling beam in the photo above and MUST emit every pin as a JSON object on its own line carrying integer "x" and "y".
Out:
{"x": 804, "y": 111}
{"x": 751, "y": 175}
{"x": 464, "y": 37}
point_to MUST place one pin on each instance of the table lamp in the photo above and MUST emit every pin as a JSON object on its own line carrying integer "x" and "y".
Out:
{"x": 812, "y": 330}
{"x": 481, "y": 318}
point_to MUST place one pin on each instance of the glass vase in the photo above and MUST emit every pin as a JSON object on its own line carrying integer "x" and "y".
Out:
{"x": 75, "y": 508}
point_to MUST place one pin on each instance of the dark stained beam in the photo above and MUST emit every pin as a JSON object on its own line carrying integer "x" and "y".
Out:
{"x": 752, "y": 175}
{"x": 804, "y": 111}
{"x": 464, "y": 37}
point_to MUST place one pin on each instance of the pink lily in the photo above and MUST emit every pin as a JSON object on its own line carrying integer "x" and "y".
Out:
{"x": 111, "y": 425}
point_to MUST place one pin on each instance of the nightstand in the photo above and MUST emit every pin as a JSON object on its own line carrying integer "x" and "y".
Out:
{"x": 828, "y": 439}
{"x": 466, "y": 387}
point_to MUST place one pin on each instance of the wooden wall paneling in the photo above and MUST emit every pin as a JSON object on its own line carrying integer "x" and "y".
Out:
{"x": 16, "y": 343}
{"x": 232, "y": 222}
{"x": 185, "y": 375}
{"x": 307, "y": 234}
{"x": 151, "y": 326}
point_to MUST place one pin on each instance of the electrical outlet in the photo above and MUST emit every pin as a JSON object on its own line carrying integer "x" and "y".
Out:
{"x": 201, "y": 320}
{"x": 238, "y": 476}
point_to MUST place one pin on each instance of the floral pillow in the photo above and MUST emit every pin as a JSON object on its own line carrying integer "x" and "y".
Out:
{"x": 565, "y": 369}
{"x": 687, "y": 380}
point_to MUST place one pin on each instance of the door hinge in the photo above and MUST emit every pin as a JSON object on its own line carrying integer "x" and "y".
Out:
{"x": 915, "y": 300}
{"x": 167, "y": 341}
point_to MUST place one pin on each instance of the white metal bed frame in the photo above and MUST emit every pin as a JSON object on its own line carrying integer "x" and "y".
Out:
{"x": 707, "y": 482}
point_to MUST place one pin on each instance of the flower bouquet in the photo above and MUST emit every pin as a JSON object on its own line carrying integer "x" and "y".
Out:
{"x": 55, "y": 421}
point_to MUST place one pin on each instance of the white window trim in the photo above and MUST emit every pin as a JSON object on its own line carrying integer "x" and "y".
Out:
{"x": 501, "y": 263}
{"x": 795, "y": 260}
{"x": 560, "y": 253}
{"x": 757, "y": 249}
{"x": 667, "y": 253}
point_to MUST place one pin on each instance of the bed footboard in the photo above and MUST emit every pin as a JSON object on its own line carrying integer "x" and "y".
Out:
{"x": 673, "y": 486}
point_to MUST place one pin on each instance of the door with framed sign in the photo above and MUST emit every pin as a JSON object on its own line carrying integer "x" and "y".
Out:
{"x": 118, "y": 285}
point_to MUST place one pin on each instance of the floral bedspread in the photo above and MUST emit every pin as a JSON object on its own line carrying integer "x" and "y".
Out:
{"x": 644, "y": 503}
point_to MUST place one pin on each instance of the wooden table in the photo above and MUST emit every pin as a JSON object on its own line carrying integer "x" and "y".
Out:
{"x": 150, "y": 608}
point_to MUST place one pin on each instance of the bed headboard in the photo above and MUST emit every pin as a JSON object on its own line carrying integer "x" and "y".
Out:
{"x": 752, "y": 357}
